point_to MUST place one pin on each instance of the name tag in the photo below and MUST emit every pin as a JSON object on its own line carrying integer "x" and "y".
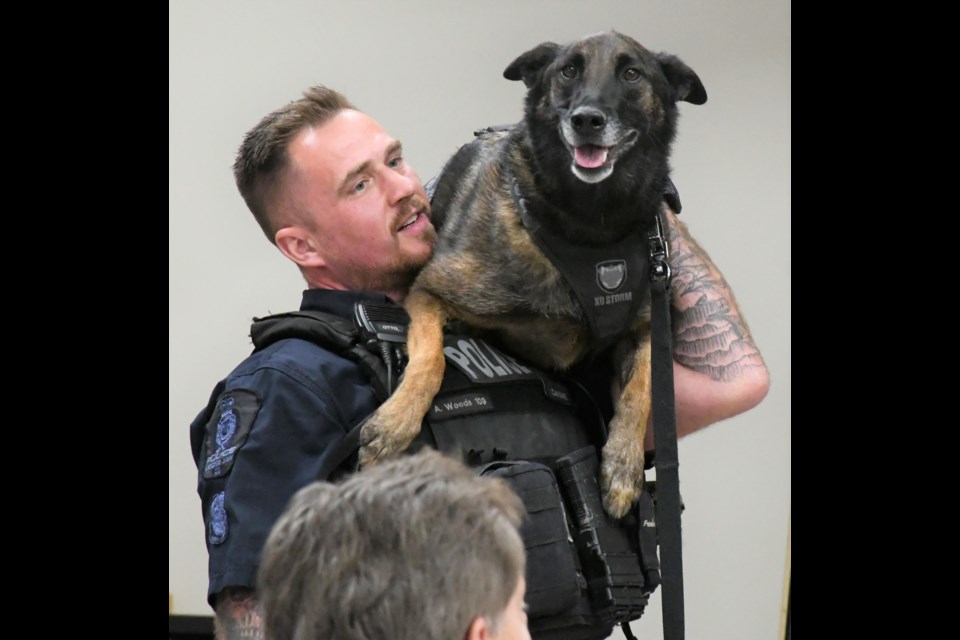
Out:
{"x": 461, "y": 404}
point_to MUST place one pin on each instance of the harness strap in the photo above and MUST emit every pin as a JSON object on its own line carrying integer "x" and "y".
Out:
{"x": 668, "y": 503}
{"x": 340, "y": 453}
{"x": 339, "y": 333}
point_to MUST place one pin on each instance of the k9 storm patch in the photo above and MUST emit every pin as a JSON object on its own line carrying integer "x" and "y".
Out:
{"x": 611, "y": 274}
{"x": 227, "y": 430}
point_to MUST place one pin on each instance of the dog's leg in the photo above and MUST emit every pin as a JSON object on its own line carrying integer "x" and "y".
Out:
{"x": 621, "y": 471}
{"x": 392, "y": 427}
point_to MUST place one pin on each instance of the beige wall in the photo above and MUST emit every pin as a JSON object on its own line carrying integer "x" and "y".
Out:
{"x": 431, "y": 73}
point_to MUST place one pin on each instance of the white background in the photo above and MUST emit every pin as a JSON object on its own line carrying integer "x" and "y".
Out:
{"x": 431, "y": 73}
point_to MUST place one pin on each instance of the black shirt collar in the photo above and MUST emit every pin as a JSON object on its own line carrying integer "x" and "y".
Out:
{"x": 339, "y": 302}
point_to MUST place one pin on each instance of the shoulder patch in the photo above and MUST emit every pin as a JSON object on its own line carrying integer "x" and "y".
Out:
{"x": 227, "y": 430}
{"x": 217, "y": 529}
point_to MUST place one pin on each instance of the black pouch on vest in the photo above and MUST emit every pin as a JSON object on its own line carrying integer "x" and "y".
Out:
{"x": 611, "y": 564}
{"x": 552, "y": 585}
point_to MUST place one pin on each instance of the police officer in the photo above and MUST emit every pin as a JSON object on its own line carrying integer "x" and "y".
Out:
{"x": 332, "y": 191}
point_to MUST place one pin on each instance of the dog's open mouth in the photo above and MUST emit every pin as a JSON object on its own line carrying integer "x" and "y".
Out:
{"x": 590, "y": 156}
{"x": 592, "y": 162}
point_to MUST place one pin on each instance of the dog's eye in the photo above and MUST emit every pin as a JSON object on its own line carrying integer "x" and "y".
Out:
{"x": 569, "y": 71}
{"x": 631, "y": 75}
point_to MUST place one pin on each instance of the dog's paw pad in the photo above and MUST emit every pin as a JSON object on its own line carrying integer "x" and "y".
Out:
{"x": 620, "y": 483}
{"x": 374, "y": 441}
{"x": 370, "y": 454}
{"x": 619, "y": 495}
{"x": 383, "y": 436}
{"x": 617, "y": 503}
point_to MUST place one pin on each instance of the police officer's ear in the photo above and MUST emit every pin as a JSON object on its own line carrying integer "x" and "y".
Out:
{"x": 299, "y": 245}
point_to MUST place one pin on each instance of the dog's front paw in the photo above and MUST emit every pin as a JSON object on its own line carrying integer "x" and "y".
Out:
{"x": 385, "y": 434}
{"x": 621, "y": 477}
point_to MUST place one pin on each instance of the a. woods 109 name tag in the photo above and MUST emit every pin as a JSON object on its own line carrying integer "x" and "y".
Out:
{"x": 461, "y": 404}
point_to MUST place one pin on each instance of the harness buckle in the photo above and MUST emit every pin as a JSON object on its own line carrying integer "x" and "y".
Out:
{"x": 659, "y": 252}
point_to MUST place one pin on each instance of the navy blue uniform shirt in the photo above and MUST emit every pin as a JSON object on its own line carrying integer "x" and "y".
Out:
{"x": 266, "y": 432}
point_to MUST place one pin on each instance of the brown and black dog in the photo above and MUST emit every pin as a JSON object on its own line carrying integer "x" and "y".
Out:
{"x": 580, "y": 179}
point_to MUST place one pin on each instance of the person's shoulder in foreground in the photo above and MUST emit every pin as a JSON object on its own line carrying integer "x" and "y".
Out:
{"x": 416, "y": 547}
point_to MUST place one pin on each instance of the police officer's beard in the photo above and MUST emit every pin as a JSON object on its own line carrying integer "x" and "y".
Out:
{"x": 397, "y": 276}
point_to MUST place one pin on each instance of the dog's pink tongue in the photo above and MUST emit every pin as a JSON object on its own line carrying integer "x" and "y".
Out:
{"x": 590, "y": 156}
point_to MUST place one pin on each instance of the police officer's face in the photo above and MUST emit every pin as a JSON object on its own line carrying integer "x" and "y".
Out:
{"x": 368, "y": 212}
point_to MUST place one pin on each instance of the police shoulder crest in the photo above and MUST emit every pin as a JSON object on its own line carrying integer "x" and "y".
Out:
{"x": 227, "y": 430}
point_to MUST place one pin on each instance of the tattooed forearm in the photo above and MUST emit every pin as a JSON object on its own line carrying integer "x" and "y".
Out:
{"x": 710, "y": 334}
{"x": 237, "y": 615}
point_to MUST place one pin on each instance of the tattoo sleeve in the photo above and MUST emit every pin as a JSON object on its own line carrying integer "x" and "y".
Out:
{"x": 710, "y": 335}
{"x": 237, "y": 615}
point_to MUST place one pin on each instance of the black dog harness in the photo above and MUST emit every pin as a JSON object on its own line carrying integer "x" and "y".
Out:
{"x": 609, "y": 281}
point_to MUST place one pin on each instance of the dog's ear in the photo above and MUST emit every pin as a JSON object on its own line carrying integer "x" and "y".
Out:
{"x": 528, "y": 66}
{"x": 682, "y": 78}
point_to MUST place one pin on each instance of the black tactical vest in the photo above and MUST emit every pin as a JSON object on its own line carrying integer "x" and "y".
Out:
{"x": 542, "y": 434}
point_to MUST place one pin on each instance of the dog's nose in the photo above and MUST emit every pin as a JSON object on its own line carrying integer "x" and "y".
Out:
{"x": 589, "y": 118}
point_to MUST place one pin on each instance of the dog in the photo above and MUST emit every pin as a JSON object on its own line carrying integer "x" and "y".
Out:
{"x": 584, "y": 170}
